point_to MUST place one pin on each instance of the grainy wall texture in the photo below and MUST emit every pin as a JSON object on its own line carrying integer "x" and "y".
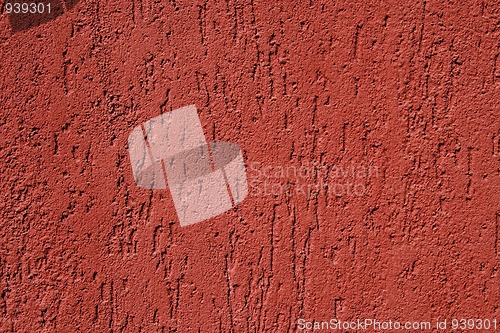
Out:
{"x": 371, "y": 137}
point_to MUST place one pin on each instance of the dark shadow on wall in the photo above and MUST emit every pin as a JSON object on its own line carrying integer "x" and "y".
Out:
{"x": 24, "y": 21}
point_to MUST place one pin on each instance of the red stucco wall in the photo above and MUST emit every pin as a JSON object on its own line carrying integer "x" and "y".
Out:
{"x": 410, "y": 90}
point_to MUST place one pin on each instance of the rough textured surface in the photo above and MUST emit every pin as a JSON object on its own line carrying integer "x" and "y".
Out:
{"x": 411, "y": 89}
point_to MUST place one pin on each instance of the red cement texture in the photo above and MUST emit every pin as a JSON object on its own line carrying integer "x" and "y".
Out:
{"x": 407, "y": 94}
